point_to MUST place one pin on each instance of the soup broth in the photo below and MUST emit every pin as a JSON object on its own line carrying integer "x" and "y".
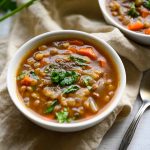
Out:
{"x": 66, "y": 80}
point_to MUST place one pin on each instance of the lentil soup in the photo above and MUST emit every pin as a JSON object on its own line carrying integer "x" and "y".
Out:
{"x": 132, "y": 14}
{"x": 66, "y": 80}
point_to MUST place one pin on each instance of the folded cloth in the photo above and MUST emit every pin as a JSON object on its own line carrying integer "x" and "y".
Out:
{"x": 18, "y": 133}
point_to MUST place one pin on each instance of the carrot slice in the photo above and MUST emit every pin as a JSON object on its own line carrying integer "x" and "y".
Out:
{"x": 26, "y": 80}
{"x": 88, "y": 51}
{"x": 147, "y": 31}
{"x": 136, "y": 26}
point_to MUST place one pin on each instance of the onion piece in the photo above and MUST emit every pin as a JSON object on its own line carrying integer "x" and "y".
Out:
{"x": 93, "y": 105}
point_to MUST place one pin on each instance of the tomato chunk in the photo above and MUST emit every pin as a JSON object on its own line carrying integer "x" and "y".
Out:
{"x": 88, "y": 51}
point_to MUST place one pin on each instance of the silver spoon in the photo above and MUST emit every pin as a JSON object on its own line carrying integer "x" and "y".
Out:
{"x": 145, "y": 97}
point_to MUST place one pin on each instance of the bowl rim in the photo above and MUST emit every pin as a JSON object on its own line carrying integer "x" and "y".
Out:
{"x": 82, "y": 124}
{"x": 102, "y": 4}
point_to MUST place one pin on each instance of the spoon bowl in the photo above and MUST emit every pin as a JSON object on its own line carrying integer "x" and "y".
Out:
{"x": 145, "y": 87}
{"x": 145, "y": 97}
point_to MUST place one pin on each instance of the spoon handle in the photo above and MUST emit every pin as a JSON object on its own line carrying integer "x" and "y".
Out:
{"x": 131, "y": 130}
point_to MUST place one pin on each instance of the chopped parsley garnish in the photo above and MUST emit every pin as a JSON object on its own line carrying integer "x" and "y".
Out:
{"x": 68, "y": 81}
{"x": 147, "y": 4}
{"x": 57, "y": 76}
{"x": 62, "y": 116}
{"x": 133, "y": 12}
{"x": 64, "y": 78}
{"x": 51, "y": 107}
{"x": 71, "y": 77}
{"x": 78, "y": 61}
{"x": 70, "y": 89}
{"x": 50, "y": 67}
{"x": 86, "y": 82}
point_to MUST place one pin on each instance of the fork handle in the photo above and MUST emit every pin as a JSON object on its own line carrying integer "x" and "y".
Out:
{"x": 131, "y": 130}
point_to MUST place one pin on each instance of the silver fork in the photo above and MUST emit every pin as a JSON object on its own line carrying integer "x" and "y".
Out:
{"x": 145, "y": 97}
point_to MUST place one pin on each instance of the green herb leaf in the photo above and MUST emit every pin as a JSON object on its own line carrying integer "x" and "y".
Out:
{"x": 21, "y": 76}
{"x": 13, "y": 8}
{"x": 57, "y": 76}
{"x": 62, "y": 116}
{"x": 70, "y": 89}
{"x": 6, "y": 5}
{"x": 73, "y": 76}
{"x": 67, "y": 81}
{"x": 147, "y": 4}
{"x": 33, "y": 75}
{"x": 64, "y": 77}
{"x": 51, "y": 107}
{"x": 86, "y": 82}
{"x": 51, "y": 67}
{"x": 78, "y": 61}
{"x": 133, "y": 12}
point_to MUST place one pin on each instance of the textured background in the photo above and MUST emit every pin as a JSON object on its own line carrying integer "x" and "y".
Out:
{"x": 113, "y": 138}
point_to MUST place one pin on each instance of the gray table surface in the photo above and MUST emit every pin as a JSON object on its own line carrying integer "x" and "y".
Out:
{"x": 112, "y": 139}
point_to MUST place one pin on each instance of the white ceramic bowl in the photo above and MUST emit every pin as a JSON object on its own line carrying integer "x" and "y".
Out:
{"x": 138, "y": 37}
{"x": 36, "y": 41}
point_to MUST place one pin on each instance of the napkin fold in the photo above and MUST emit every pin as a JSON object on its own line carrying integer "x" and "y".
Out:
{"x": 16, "y": 132}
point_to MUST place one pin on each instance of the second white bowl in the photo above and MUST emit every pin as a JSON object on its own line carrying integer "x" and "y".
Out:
{"x": 138, "y": 37}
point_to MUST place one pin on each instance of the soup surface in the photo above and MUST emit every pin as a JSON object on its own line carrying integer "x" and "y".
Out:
{"x": 133, "y": 14}
{"x": 66, "y": 80}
